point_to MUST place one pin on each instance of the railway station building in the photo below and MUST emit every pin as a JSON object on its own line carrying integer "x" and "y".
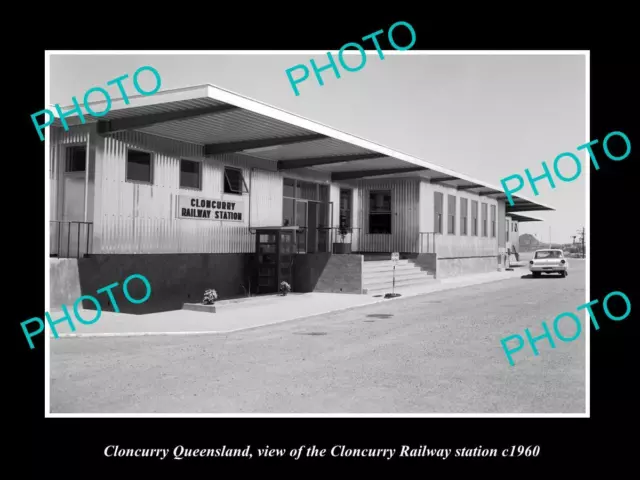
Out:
{"x": 200, "y": 188}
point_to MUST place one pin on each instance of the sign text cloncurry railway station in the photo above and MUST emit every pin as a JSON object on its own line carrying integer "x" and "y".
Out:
{"x": 209, "y": 209}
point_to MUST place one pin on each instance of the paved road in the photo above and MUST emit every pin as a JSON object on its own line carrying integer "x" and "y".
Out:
{"x": 437, "y": 353}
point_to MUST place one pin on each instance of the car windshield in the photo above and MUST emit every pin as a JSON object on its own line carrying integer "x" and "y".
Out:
{"x": 548, "y": 254}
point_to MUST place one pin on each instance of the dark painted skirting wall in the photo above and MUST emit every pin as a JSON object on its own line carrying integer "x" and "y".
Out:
{"x": 175, "y": 278}
{"x": 307, "y": 270}
{"x": 324, "y": 272}
{"x": 426, "y": 261}
{"x": 183, "y": 278}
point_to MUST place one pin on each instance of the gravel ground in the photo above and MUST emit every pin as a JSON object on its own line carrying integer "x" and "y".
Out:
{"x": 436, "y": 353}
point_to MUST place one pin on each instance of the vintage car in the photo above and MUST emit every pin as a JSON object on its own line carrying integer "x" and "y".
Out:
{"x": 549, "y": 260}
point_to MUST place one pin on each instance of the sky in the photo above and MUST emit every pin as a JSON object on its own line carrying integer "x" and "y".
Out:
{"x": 487, "y": 116}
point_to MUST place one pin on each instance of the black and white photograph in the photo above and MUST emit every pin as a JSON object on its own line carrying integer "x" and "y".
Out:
{"x": 389, "y": 232}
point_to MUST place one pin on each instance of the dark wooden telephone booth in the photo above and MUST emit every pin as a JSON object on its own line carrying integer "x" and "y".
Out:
{"x": 275, "y": 249}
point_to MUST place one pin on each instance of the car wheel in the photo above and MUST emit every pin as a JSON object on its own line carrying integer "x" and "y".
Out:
{"x": 565, "y": 273}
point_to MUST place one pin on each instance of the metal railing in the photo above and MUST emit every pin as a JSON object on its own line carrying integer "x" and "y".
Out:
{"x": 427, "y": 242}
{"x": 351, "y": 233}
{"x": 70, "y": 239}
{"x": 327, "y": 236}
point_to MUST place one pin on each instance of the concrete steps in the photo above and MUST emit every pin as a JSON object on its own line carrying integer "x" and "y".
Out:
{"x": 388, "y": 270}
{"x": 387, "y": 265}
{"x": 375, "y": 279}
{"x": 377, "y": 276}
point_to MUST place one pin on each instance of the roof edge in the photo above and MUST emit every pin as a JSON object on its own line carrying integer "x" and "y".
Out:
{"x": 208, "y": 90}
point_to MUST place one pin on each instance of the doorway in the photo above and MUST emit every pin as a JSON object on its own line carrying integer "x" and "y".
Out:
{"x": 275, "y": 248}
{"x": 70, "y": 231}
{"x": 306, "y": 205}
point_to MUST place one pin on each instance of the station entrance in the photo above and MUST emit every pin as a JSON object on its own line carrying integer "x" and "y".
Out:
{"x": 275, "y": 249}
{"x": 306, "y": 205}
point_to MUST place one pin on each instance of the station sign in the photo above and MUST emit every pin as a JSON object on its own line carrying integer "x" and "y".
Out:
{"x": 395, "y": 256}
{"x": 209, "y": 209}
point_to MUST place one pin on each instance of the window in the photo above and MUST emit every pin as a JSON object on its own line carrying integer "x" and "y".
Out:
{"x": 139, "y": 168}
{"x": 548, "y": 254}
{"x": 438, "y": 200}
{"x": 190, "y": 174}
{"x": 474, "y": 218}
{"x": 464, "y": 205}
{"x": 484, "y": 220}
{"x": 507, "y": 230}
{"x": 306, "y": 205}
{"x": 380, "y": 212}
{"x": 234, "y": 181}
{"x": 515, "y": 226}
{"x": 493, "y": 220}
{"x": 345, "y": 207}
{"x": 76, "y": 158}
{"x": 308, "y": 190}
{"x": 451, "y": 214}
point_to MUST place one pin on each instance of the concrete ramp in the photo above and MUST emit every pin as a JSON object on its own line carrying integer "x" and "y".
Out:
{"x": 64, "y": 281}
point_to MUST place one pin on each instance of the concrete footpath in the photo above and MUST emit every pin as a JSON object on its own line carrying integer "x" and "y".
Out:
{"x": 252, "y": 312}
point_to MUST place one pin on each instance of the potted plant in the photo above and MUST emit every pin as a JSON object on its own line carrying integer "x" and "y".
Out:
{"x": 342, "y": 248}
{"x": 210, "y": 296}
{"x": 284, "y": 288}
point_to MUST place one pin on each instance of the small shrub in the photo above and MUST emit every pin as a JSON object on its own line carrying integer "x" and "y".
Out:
{"x": 210, "y": 296}
{"x": 285, "y": 288}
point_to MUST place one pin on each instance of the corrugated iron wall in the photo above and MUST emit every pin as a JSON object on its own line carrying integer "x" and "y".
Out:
{"x": 455, "y": 245}
{"x": 405, "y": 219}
{"x": 139, "y": 218}
{"x": 266, "y": 199}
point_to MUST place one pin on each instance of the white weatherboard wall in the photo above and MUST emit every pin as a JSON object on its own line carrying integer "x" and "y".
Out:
{"x": 457, "y": 245}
